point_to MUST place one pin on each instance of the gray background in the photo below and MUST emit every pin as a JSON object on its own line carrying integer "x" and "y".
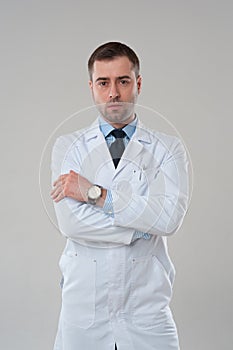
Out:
{"x": 186, "y": 55}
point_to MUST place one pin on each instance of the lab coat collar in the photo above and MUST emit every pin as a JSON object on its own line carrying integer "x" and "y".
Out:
{"x": 142, "y": 134}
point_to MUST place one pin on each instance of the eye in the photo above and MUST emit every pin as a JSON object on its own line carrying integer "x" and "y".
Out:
{"x": 124, "y": 82}
{"x": 103, "y": 83}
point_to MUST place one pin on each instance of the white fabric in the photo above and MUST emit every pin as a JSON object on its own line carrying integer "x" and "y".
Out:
{"x": 115, "y": 290}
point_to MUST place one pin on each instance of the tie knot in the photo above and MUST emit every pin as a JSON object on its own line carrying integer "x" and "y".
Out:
{"x": 118, "y": 133}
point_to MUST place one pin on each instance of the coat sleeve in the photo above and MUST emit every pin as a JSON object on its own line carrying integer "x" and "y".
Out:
{"x": 156, "y": 199}
{"x": 77, "y": 220}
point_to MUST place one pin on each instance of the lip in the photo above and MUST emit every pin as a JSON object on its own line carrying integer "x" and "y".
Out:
{"x": 114, "y": 105}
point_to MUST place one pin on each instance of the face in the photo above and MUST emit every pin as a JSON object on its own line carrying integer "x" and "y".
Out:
{"x": 115, "y": 89}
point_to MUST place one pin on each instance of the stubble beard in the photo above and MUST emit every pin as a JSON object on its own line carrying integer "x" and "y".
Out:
{"x": 122, "y": 115}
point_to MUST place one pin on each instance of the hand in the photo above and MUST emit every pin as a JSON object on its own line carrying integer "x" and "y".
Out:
{"x": 71, "y": 185}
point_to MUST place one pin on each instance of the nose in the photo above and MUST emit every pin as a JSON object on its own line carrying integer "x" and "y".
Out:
{"x": 113, "y": 93}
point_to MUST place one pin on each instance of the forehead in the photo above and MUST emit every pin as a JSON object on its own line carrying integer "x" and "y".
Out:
{"x": 115, "y": 67}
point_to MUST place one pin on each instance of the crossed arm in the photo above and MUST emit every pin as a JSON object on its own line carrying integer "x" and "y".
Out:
{"x": 75, "y": 186}
{"x": 158, "y": 209}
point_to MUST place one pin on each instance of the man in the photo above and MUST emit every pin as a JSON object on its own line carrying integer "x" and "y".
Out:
{"x": 119, "y": 189}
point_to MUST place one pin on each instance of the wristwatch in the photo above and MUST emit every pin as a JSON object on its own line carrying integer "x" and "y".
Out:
{"x": 93, "y": 194}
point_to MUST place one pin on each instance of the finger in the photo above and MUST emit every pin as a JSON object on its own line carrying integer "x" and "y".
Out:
{"x": 73, "y": 172}
{"x": 58, "y": 185}
{"x": 59, "y": 197}
{"x": 61, "y": 178}
{"x": 53, "y": 192}
{"x": 59, "y": 181}
{"x": 56, "y": 192}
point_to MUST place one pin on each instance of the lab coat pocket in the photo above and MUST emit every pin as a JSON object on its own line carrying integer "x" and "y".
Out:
{"x": 150, "y": 292}
{"x": 78, "y": 293}
{"x": 142, "y": 178}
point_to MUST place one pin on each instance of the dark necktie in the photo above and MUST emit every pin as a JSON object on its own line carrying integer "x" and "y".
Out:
{"x": 117, "y": 147}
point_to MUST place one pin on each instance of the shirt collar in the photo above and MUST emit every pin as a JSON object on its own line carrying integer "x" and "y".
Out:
{"x": 106, "y": 128}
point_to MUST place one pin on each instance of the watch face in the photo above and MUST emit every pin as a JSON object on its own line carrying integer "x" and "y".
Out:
{"x": 94, "y": 192}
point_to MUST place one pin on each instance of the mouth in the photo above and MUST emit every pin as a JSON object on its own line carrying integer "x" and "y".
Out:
{"x": 114, "y": 105}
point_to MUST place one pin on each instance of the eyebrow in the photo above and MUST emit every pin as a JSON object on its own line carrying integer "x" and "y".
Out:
{"x": 121, "y": 77}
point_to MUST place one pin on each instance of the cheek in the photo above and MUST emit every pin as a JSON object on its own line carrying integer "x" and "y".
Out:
{"x": 99, "y": 95}
{"x": 131, "y": 93}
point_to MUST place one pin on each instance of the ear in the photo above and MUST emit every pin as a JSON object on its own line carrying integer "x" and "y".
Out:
{"x": 90, "y": 84}
{"x": 139, "y": 83}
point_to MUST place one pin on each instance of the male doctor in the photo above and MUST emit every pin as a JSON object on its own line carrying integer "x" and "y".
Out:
{"x": 119, "y": 189}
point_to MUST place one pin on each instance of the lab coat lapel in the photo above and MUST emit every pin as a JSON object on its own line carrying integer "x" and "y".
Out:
{"x": 97, "y": 166}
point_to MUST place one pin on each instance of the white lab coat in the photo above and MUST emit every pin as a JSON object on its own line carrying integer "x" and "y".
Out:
{"x": 116, "y": 291}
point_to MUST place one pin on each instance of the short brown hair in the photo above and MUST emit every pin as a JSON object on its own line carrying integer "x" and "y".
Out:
{"x": 111, "y": 50}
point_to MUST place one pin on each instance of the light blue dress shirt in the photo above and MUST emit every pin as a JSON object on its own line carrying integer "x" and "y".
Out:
{"x": 129, "y": 129}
